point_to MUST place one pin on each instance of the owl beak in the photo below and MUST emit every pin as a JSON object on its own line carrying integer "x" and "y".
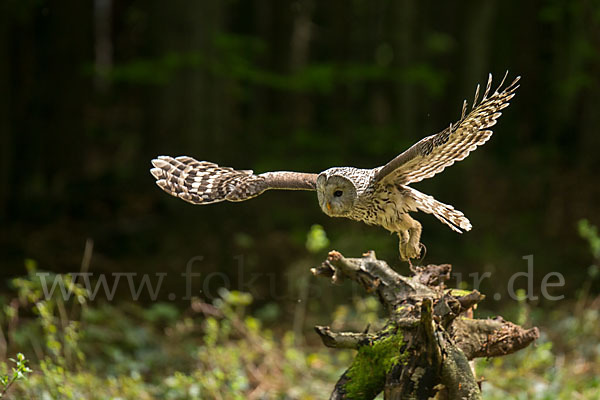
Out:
{"x": 329, "y": 206}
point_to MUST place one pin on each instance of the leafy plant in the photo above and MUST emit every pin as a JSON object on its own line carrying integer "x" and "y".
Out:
{"x": 316, "y": 239}
{"x": 19, "y": 372}
{"x": 589, "y": 232}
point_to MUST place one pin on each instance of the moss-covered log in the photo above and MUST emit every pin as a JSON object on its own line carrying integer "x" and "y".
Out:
{"x": 425, "y": 347}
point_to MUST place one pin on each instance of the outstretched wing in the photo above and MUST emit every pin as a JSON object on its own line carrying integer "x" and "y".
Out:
{"x": 203, "y": 182}
{"x": 432, "y": 154}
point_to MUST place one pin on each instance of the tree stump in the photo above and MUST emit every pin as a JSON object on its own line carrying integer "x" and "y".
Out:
{"x": 426, "y": 345}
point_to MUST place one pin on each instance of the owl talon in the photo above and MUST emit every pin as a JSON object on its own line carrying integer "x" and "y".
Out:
{"x": 413, "y": 251}
{"x": 407, "y": 252}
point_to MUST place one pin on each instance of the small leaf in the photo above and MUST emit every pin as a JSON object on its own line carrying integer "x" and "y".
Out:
{"x": 316, "y": 239}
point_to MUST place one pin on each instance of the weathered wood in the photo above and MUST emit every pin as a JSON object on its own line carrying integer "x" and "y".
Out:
{"x": 424, "y": 349}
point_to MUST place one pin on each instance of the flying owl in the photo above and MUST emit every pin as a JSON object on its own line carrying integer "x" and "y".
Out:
{"x": 378, "y": 196}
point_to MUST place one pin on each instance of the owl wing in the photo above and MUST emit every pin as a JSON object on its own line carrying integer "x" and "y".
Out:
{"x": 203, "y": 182}
{"x": 432, "y": 154}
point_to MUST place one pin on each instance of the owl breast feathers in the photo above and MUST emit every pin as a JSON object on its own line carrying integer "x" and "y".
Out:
{"x": 378, "y": 196}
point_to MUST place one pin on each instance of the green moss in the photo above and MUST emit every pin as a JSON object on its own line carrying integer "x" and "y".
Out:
{"x": 372, "y": 363}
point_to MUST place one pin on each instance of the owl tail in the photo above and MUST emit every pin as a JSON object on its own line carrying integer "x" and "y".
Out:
{"x": 455, "y": 219}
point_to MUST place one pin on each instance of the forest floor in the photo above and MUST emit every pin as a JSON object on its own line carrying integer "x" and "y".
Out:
{"x": 222, "y": 350}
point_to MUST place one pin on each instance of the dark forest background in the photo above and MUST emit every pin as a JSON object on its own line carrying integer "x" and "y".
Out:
{"x": 91, "y": 91}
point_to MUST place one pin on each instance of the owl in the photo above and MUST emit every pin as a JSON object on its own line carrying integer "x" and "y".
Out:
{"x": 378, "y": 196}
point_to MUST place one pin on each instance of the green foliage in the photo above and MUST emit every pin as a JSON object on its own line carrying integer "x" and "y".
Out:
{"x": 316, "y": 239}
{"x": 361, "y": 313}
{"x": 590, "y": 233}
{"x": 19, "y": 372}
{"x": 220, "y": 351}
{"x": 564, "y": 364}
{"x": 235, "y": 57}
{"x": 54, "y": 325}
{"x": 214, "y": 351}
{"x": 542, "y": 372}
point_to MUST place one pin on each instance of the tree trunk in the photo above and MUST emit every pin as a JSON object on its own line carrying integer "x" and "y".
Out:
{"x": 425, "y": 347}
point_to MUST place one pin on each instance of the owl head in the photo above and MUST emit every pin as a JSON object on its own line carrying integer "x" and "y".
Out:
{"x": 336, "y": 193}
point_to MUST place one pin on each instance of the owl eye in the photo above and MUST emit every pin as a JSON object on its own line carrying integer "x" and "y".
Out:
{"x": 338, "y": 193}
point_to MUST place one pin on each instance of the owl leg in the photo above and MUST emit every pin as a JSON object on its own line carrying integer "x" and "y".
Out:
{"x": 410, "y": 246}
{"x": 404, "y": 238}
{"x": 414, "y": 243}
